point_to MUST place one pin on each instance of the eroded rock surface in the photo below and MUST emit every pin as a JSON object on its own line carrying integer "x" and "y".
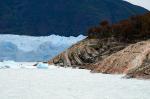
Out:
{"x": 108, "y": 56}
{"x": 88, "y": 52}
{"x": 142, "y": 71}
{"x": 125, "y": 60}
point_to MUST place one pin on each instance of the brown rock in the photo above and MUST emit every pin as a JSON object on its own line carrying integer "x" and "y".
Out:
{"x": 108, "y": 56}
{"x": 142, "y": 71}
{"x": 87, "y": 52}
{"x": 131, "y": 58}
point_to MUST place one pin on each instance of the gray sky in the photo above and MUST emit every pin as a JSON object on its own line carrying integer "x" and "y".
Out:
{"x": 142, "y": 3}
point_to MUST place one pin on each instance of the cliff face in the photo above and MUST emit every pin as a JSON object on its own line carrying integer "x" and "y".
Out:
{"x": 108, "y": 56}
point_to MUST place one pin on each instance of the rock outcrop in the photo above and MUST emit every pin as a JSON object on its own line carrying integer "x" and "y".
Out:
{"x": 126, "y": 60}
{"x": 108, "y": 56}
{"x": 142, "y": 71}
{"x": 88, "y": 52}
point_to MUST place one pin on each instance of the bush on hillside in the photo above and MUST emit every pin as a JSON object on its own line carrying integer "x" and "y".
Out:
{"x": 134, "y": 28}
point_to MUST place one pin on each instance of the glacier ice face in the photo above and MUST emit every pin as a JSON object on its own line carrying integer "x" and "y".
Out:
{"x": 29, "y": 48}
{"x": 8, "y": 51}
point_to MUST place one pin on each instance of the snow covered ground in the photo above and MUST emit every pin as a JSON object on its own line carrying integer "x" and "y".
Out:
{"x": 143, "y": 3}
{"x": 67, "y": 83}
{"x": 29, "y": 48}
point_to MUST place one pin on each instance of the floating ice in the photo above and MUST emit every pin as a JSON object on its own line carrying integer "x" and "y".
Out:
{"x": 9, "y": 64}
{"x": 42, "y": 66}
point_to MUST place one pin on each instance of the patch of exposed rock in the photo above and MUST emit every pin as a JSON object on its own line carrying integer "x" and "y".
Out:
{"x": 88, "y": 52}
{"x": 142, "y": 71}
{"x": 108, "y": 56}
{"x": 134, "y": 61}
{"x": 127, "y": 59}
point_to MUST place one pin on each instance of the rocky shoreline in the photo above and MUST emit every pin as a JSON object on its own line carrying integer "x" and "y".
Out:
{"x": 108, "y": 56}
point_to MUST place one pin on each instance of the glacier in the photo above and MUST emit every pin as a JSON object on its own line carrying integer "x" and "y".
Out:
{"x": 30, "y": 48}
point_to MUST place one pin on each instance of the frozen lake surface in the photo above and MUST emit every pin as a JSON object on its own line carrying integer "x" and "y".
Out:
{"x": 67, "y": 83}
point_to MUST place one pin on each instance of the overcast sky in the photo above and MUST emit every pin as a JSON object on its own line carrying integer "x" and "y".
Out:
{"x": 143, "y": 3}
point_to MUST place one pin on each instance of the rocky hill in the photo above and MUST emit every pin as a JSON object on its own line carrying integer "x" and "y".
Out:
{"x": 61, "y": 17}
{"x": 88, "y": 51}
{"x": 109, "y": 57}
{"x": 109, "y": 54}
